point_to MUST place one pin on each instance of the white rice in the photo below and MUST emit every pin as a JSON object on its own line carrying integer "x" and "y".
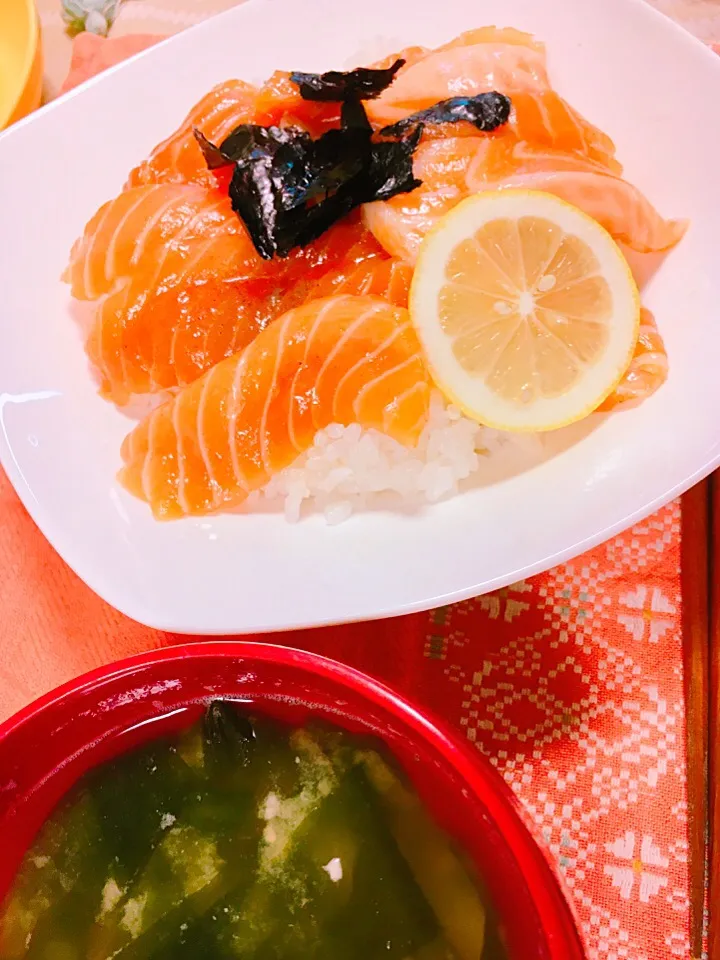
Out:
{"x": 350, "y": 469}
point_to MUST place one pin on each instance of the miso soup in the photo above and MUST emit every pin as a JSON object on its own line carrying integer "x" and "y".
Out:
{"x": 244, "y": 838}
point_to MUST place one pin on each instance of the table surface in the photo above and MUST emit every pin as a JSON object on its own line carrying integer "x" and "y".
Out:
{"x": 571, "y": 682}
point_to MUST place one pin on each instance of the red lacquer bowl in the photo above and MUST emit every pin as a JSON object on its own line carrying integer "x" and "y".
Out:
{"x": 47, "y": 746}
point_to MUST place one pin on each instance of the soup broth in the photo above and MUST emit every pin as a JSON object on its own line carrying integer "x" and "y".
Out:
{"x": 242, "y": 837}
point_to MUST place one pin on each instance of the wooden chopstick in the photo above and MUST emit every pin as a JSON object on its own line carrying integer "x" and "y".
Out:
{"x": 714, "y": 724}
{"x": 695, "y": 556}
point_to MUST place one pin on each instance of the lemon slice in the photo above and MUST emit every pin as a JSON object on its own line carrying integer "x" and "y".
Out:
{"x": 526, "y": 308}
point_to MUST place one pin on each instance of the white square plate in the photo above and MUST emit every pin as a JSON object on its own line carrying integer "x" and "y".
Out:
{"x": 653, "y": 88}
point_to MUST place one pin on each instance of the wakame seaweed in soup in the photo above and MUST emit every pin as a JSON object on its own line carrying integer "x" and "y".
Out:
{"x": 245, "y": 838}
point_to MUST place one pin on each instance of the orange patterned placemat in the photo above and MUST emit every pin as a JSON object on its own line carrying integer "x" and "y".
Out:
{"x": 571, "y": 682}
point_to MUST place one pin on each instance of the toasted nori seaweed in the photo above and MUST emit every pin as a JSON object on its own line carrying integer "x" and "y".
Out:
{"x": 354, "y": 117}
{"x": 250, "y": 141}
{"x": 289, "y": 189}
{"x": 486, "y": 111}
{"x": 214, "y": 157}
{"x": 388, "y": 173}
{"x": 337, "y": 86}
{"x": 391, "y": 167}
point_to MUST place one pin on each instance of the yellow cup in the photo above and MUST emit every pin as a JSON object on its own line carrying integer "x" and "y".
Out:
{"x": 21, "y": 67}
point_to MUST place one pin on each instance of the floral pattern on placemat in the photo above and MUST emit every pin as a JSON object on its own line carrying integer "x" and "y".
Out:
{"x": 572, "y": 684}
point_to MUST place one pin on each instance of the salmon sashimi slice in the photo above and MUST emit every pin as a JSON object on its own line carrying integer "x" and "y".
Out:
{"x": 445, "y": 168}
{"x": 539, "y": 114}
{"x": 342, "y": 359}
{"x": 178, "y": 159}
{"x": 453, "y": 169}
{"x": 648, "y": 369}
{"x": 159, "y": 331}
{"x": 506, "y": 156}
{"x": 543, "y": 118}
{"x": 387, "y": 279}
{"x": 617, "y": 205}
{"x": 145, "y": 341}
{"x": 401, "y": 224}
{"x": 340, "y": 249}
{"x": 279, "y": 104}
{"x": 460, "y": 71}
{"x": 155, "y": 223}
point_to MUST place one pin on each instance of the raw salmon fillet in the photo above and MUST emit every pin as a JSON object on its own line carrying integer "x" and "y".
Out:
{"x": 401, "y": 224}
{"x": 338, "y": 360}
{"x": 476, "y": 62}
{"x": 279, "y": 104}
{"x": 346, "y": 244}
{"x": 178, "y": 159}
{"x": 648, "y": 368}
{"x": 387, "y": 279}
{"x": 158, "y": 229}
{"x": 147, "y": 341}
{"x": 163, "y": 327}
{"x": 539, "y": 115}
{"x": 410, "y": 55}
{"x": 543, "y": 118}
{"x": 452, "y": 169}
{"x": 619, "y": 206}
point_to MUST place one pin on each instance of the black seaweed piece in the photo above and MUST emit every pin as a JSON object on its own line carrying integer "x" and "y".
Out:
{"x": 383, "y": 172}
{"x": 229, "y": 732}
{"x": 278, "y": 196}
{"x": 354, "y": 117}
{"x": 251, "y": 195}
{"x": 337, "y": 86}
{"x": 214, "y": 157}
{"x": 249, "y": 141}
{"x": 486, "y": 111}
{"x": 388, "y": 173}
{"x": 338, "y": 157}
{"x": 289, "y": 189}
{"x": 391, "y": 169}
